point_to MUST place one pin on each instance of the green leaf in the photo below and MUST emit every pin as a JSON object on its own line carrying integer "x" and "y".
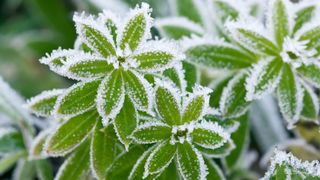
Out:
{"x": 233, "y": 102}
{"x": 77, "y": 165}
{"x": 103, "y": 149}
{"x": 290, "y": 96}
{"x": 122, "y": 166}
{"x": 176, "y": 76}
{"x": 311, "y": 73}
{"x": 136, "y": 29}
{"x": 264, "y": 78}
{"x": 71, "y": 133}
{"x": 252, "y": 40}
{"x": 112, "y": 26}
{"x": 303, "y": 16}
{"x": 25, "y": 170}
{"x": 191, "y": 75}
{"x": 310, "y": 110}
{"x": 311, "y": 35}
{"x": 169, "y": 173}
{"x": 151, "y": 132}
{"x": 279, "y": 21}
{"x": 190, "y": 162}
{"x": 78, "y": 98}
{"x": 138, "y": 89}
{"x": 10, "y": 159}
{"x": 160, "y": 158}
{"x": 177, "y": 28}
{"x": 240, "y": 139}
{"x": 225, "y": 10}
{"x": 11, "y": 140}
{"x": 214, "y": 171}
{"x": 88, "y": 68}
{"x": 125, "y": 122}
{"x": 194, "y": 109}
{"x": 37, "y": 146}
{"x": 209, "y": 135}
{"x": 110, "y": 96}
{"x": 167, "y": 106}
{"x": 219, "y": 152}
{"x": 94, "y": 36}
{"x": 154, "y": 61}
{"x": 44, "y": 170}
{"x": 43, "y": 104}
{"x": 218, "y": 86}
{"x": 221, "y": 56}
{"x": 188, "y": 9}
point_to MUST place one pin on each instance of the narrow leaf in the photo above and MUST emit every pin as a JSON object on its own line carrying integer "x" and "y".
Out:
{"x": 151, "y": 132}
{"x": 310, "y": 110}
{"x": 44, "y": 169}
{"x": 189, "y": 9}
{"x": 214, "y": 171}
{"x": 11, "y": 140}
{"x": 195, "y": 108}
{"x": 10, "y": 159}
{"x": 311, "y": 73}
{"x": 303, "y": 16}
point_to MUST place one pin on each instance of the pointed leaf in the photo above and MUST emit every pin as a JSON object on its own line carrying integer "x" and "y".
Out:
{"x": 125, "y": 122}
{"x": 160, "y": 158}
{"x": 44, "y": 170}
{"x": 78, "y": 98}
{"x": 303, "y": 16}
{"x": 103, "y": 149}
{"x": 218, "y": 55}
{"x": 311, "y": 73}
{"x": 176, "y": 75}
{"x": 25, "y": 170}
{"x": 137, "y": 28}
{"x": 214, "y": 171}
{"x": 110, "y": 96}
{"x": 11, "y": 140}
{"x": 190, "y": 162}
{"x": 310, "y": 110}
{"x": 209, "y": 135}
{"x": 278, "y": 20}
{"x": 311, "y": 34}
{"x": 220, "y": 152}
{"x": 77, "y": 165}
{"x": 88, "y": 68}
{"x": 151, "y": 132}
{"x": 94, "y": 35}
{"x": 71, "y": 133}
{"x": 192, "y": 75}
{"x": 8, "y": 160}
{"x": 195, "y": 108}
{"x": 138, "y": 89}
{"x": 37, "y": 147}
{"x": 123, "y": 164}
{"x": 177, "y": 27}
{"x": 167, "y": 106}
{"x": 263, "y": 79}
{"x": 233, "y": 102}
{"x": 43, "y": 104}
{"x": 169, "y": 173}
{"x": 225, "y": 10}
{"x": 188, "y": 9}
{"x": 290, "y": 96}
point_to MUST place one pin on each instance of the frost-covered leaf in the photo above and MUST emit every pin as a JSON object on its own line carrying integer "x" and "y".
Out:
{"x": 167, "y": 105}
{"x": 278, "y": 20}
{"x": 310, "y": 110}
{"x": 290, "y": 96}
{"x": 71, "y": 133}
{"x": 190, "y": 162}
{"x": 176, "y": 75}
{"x": 123, "y": 164}
{"x": 136, "y": 29}
{"x": 111, "y": 22}
{"x": 8, "y": 160}
{"x": 195, "y": 107}
{"x": 94, "y": 35}
{"x": 157, "y": 56}
{"x": 110, "y": 96}
{"x": 36, "y": 150}
{"x": 178, "y": 27}
{"x": 240, "y": 139}
{"x": 78, "y": 98}
{"x": 286, "y": 166}
{"x": 263, "y": 79}
{"x": 43, "y": 104}
{"x": 138, "y": 89}
{"x": 218, "y": 85}
{"x": 88, "y": 67}
{"x": 11, "y": 140}
{"x": 160, "y": 158}
{"x": 192, "y": 75}
{"x": 233, "y": 102}
{"x": 125, "y": 122}
{"x": 311, "y": 34}
{"x": 220, "y": 152}
{"x": 256, "y": 41}
{"x": 25, "y": 170}
{"x": 43, "y": 169}
{"x": 151, "y": 132}
{"x": 303, "y": 16}
{"x": 311, "y": 73}
{"x": 225, "y": 9}
{"x": 77, "y": 165}
{"x": 170, "y": 172}
{"x": 217, "y": 55}
{"x": 214, "y": 171}
{"x": 189, "y": 9}
{"x": 103, "y": 149}
{"x": 209, "y": 135}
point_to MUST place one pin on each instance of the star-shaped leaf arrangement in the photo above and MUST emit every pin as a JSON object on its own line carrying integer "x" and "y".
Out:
{"x": 179, "y": 132}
